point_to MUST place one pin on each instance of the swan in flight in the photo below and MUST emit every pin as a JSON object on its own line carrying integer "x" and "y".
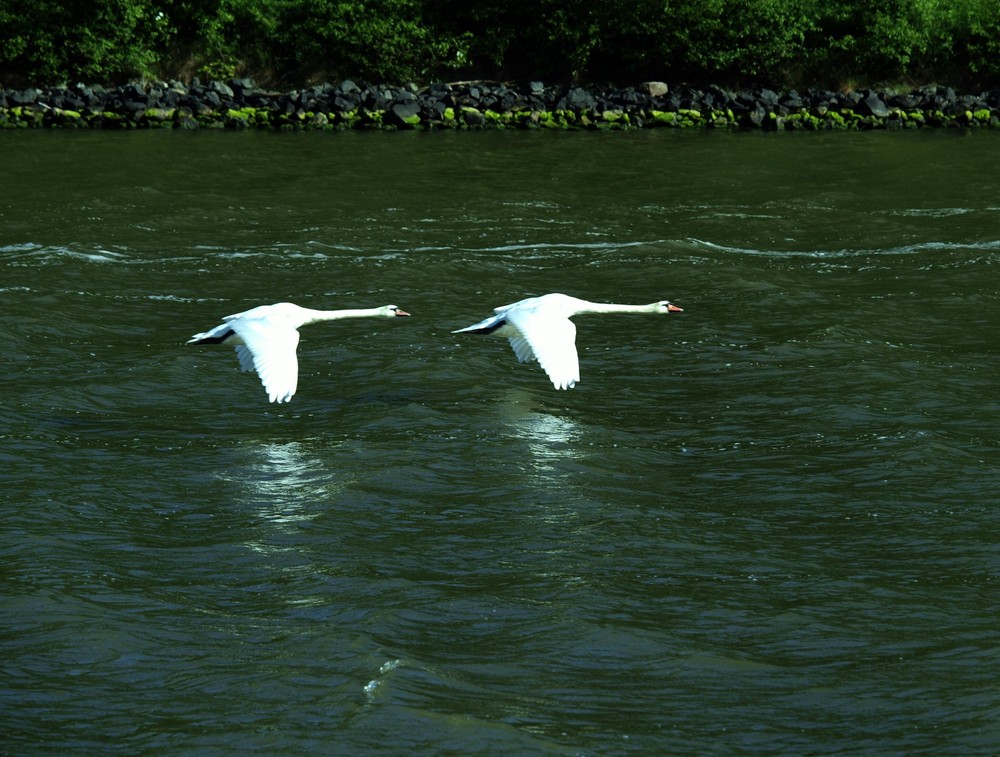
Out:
{"x": 539, "y": 328}
{"x": 266, "y": 338}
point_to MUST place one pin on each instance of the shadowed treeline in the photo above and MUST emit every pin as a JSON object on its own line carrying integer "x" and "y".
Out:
{"x": 280, "y": 43}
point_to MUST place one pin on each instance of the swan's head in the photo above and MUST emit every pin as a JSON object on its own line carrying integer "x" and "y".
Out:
{"x": 391, "y": 311}
{"x": 666, "y": 306}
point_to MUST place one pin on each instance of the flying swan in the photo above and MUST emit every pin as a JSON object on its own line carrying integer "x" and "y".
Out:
{"x": 266, "y": 338}
{"x": 539, "y": 328}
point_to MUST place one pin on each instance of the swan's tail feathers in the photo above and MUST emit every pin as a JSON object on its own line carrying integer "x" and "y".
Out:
{"x": 215, "y": 336}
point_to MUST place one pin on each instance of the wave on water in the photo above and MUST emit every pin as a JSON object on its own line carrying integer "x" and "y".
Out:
{"x": 37, "y": 255}
{"x": 554, "y": 248}
{"x": 31, "y": 253}
{"x": 908, "y": 249}
{"x": 938, "y": 212}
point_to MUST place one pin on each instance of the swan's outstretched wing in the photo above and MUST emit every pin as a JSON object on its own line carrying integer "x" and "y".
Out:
{"x": 548, "y": 338}
{"x": 522, "y": 349}
{"x": 271, "y": 351}
{"x": 245, "y": 356}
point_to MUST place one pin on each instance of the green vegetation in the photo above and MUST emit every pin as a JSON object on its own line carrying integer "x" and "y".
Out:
{"x": 291, "y": 42}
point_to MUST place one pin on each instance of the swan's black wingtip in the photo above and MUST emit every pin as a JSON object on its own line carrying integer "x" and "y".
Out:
{"x": 199, "y": 339}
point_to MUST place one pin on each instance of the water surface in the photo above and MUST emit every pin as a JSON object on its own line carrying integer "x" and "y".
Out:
{"x": 765, "y": 525}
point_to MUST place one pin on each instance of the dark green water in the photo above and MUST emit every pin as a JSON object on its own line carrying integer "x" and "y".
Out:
{"x": 768, "y": 525}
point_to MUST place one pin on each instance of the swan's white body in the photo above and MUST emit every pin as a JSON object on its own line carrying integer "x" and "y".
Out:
{"x": 539, "y": 328}
{"x": 266, "y": 338}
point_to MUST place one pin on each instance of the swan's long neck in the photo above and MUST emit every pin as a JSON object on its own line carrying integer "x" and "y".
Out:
{"x": 314, "y": 316}
{"x": 612, "y": 307}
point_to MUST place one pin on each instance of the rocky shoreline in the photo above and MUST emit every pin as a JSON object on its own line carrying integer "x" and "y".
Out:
{"x": 240, "y": 104}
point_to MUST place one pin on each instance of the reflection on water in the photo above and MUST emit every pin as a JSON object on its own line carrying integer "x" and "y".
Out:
{"x": 283, "y": 483}
{"x": 549, "y": 439}
{"x": 553, "y": 461}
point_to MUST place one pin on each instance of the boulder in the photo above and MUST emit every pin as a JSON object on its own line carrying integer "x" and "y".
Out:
{"x": 768, "y": 97}
{"x": 220, "y": 88}
{"x": 404, "y": 115}
{"x": 473, "y": 117}
{"x": 654, "y": 88}
{"x": 580, "y": 99}
{"x": 24, "y": 97}
{"x": 872, "y": 105}
{"x": 342, "y": 104}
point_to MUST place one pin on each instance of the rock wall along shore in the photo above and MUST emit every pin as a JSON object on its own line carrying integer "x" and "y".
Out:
{"x": 240, "y": 104}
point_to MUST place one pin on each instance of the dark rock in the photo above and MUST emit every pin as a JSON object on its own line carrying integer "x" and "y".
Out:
{"x": 306, "y": 100}
{"x": 580, "y": 99}
{"x": 872, "y": 105}
{"x": 473, "y": 117}
{"x": 700, "y": 100}
{"x": 954, "y": 108}
{"x": 629, "y": 98}
{"x": 723, "y": 97}
{"x": 510, "y": 99}
{"x": 220, "y": 88}
{"x": 169, "y": 98}
{"x": 692, "y": 102}
{"x": 768, "y": 97}
{"x": 202, "y": 108}
{"x": 25, "y": 97}
{"x": 792, "y": 101}
{"x": 375, "y": 99}
{"x": 402, "y": 114}
{"x": 344, "y": 105}
{"x": 240, "y": 86}
{"x": 133, "y": 92}
{"x": 905, "y": 101}
{"x": 433, "y": 108}
{"x": 211, "y": 99}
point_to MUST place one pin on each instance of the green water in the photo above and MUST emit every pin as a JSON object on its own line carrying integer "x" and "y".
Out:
{"x": 767, "y": 525}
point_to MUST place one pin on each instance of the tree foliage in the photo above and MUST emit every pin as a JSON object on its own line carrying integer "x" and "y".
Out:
{"x": 782, "y": 42}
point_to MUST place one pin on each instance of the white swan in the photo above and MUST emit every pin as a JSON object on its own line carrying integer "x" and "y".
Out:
{"x": 539, "y": 328}
{"x": 266, "y": 338}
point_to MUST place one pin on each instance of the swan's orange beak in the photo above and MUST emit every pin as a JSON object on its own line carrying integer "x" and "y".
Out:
{"x": 671, "y": 308}
{"x": 401, "y": 312}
